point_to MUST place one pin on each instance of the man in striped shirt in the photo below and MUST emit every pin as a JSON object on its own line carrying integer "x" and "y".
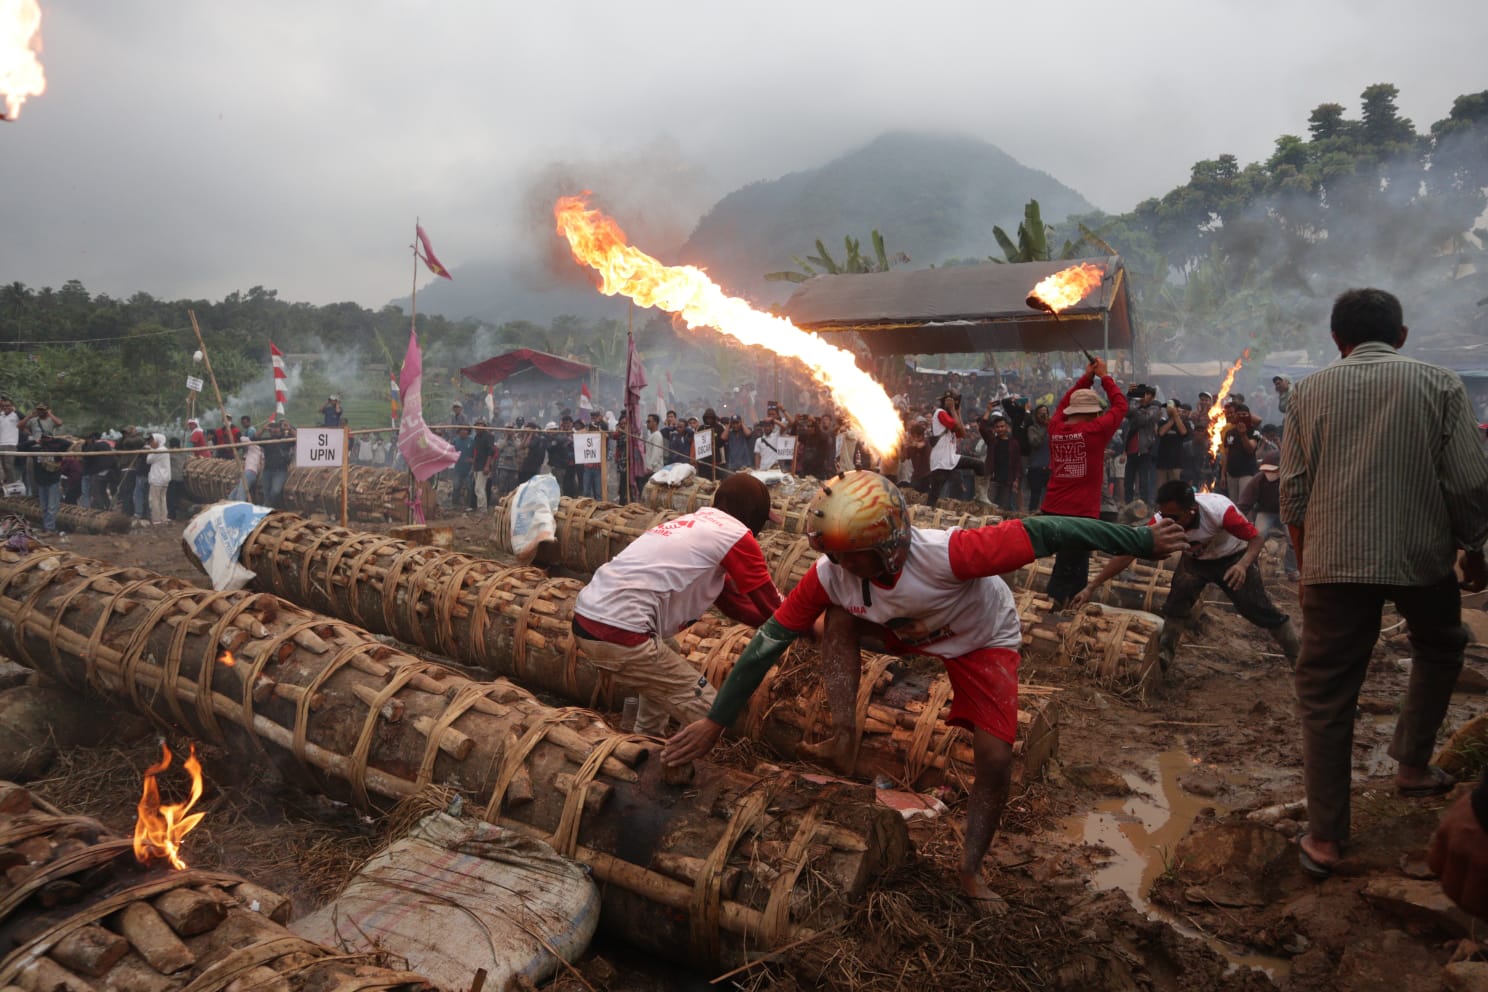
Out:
{"x": 1382, "y": 485}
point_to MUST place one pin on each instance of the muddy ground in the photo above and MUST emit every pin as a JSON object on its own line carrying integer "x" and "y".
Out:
{"x": 1133, "y": 866}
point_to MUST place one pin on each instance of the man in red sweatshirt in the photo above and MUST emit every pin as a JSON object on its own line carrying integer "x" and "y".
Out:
{"x": 1078, "y": 434}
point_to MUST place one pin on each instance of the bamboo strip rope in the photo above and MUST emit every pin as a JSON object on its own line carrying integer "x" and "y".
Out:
{"x": 28, "y": 584}
{"x": 590, "y": 533}
{"x": 516, "y": 621}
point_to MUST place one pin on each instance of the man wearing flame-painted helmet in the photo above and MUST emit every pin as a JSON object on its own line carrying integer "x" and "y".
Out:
{"x": 914, "y": 591}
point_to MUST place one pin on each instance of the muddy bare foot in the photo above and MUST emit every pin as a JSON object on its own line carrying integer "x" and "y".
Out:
{"x": 983, "y": 901}
{"x": 836, "y": 751}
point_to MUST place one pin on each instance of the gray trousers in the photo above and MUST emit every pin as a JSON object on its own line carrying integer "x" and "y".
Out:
{"x": 1340, "y": 623}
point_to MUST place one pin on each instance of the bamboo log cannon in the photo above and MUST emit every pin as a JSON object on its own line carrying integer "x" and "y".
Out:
{"x": 515, "y": 621}
{"x": 1143, "y": 586}
{"x": 79, "y": 913}
{"x": 373, "y": 494}
{"x": 590, "y": 533}
{"x": 970, "y": 507}
{"x": 336, "y": 709}
{"x": 71, "y": 518}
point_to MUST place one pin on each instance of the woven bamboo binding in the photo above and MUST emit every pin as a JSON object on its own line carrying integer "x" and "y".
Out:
{"x": 237, "y": 934}
{"x": 516, "y": 621}
{"x": 70, "y": 518}
{"x": 373, "y": 494}
{"x": 360, "y": 720}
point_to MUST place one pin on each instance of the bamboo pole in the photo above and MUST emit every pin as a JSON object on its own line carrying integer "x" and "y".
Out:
{"x": 152, "y": 929}
{"x": 221, "y": 405}
{"x": 372, "y": 494}
{"x": 516, "y": 621}
{"x": 156, "y": 644}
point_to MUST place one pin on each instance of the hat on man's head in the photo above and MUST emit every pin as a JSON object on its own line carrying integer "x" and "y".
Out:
{"x": 1268, "y": 467}
{"x": 1084, "y": 401}
{"x": 335, "y": 397}
{"x": 458, "y": 405}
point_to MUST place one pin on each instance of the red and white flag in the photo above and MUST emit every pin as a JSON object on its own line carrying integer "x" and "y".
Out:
{"x": 276, "y": 357}
{"x": 428, "y": 256}
{"x": 586, "y": 402}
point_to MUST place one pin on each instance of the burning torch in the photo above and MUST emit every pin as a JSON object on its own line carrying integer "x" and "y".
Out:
{"x": 1063, "y": 290}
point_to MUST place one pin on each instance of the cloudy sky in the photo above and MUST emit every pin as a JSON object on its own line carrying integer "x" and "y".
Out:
{"x": 190, "y": 149}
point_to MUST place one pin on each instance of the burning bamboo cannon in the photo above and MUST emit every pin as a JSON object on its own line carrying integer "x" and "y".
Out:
{"x": 590, "y": 533}
{"x": 373, "y": 494}
{"x": 516, "y": 621}
{"x": 337, "y": 709}
{"x": 80, "y": 913}
{"x": 71, "y": 518}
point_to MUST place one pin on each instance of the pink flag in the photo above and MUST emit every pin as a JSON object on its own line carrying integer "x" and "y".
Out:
{"x": 425, "y": 452}
{"x": 586, "y": 402}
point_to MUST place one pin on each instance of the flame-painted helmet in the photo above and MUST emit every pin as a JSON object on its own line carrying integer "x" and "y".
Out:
{"x": 860, "y": 511}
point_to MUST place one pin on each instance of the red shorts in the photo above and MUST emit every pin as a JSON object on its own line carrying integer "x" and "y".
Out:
{"x": 984, "y": 686}
{"x": 985, "y": 696}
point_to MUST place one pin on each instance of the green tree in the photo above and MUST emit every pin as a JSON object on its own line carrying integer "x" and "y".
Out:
{"x": 854, "y": 261}
{"x": 1033, "y": 244}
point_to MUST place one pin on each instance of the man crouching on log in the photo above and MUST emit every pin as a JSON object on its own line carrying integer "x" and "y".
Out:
{"x": 626, "y": 616}
{"x": 931, "y": 592}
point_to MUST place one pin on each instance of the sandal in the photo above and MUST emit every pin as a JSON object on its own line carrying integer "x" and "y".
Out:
{"x": 1441, "y": 782}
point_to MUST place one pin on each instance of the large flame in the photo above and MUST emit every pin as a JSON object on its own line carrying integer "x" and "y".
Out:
{"x": 597, "y": 241}
{"x": 159, "y": 829}
{"x": 1067, "y": 287}
{"x": 20, "y": 43}
{"x": 1216, "y": 425}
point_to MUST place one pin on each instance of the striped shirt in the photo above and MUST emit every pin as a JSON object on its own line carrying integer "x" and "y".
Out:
{"x": 1381, "y": 468}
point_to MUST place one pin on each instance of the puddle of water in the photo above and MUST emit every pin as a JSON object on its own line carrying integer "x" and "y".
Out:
{"x": 1142, "y": 831}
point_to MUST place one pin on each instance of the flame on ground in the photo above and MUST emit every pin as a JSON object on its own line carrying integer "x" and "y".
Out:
{"x": 1216, "y": 425}
{"x": 1068, "y": 286}
{"x": 226, "y": 658}
{"x": 598, "y": 242}
{"x": 21, "y": 75}
{"x": 159, "y": 829}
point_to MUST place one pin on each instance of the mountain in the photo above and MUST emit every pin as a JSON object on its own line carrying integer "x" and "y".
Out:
{"x": 932, "y": 196}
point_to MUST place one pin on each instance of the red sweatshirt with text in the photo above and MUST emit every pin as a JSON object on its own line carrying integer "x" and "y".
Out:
{"x": 1077, "y": 453}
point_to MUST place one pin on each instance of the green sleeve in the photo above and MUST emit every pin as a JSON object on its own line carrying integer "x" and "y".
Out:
{"x": 757, "y": 658}
{"x": 1049, "y": 534}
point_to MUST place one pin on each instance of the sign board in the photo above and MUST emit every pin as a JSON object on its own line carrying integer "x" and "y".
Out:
{"x": 193, "y": 383}
{"x": 14, "y": 489}
{"x": 588, "y": 448}
{"x": 320, "y": 447}
{"x": 787, "y": 447}
{"x": 702, "y": 445}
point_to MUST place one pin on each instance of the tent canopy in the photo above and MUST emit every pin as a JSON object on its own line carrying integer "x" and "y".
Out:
{"x": 966, "y": 308}
{"x": 502, "y": 367}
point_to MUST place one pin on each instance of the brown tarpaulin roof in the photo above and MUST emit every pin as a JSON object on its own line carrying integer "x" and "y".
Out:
{"x": 494, "y": 370}
{"x": 966, "y": 308}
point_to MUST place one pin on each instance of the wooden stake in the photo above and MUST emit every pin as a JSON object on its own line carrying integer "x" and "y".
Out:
{"x": 345, "y": 470}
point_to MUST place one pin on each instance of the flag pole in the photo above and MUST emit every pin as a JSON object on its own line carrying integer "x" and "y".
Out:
{"x": 415, "y": 506}
{"x": 207, "y": 360}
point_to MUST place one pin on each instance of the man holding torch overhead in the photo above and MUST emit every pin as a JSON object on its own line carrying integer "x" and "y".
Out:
{"x": 883, "y": 582}
{"x": 1078, "y": 434}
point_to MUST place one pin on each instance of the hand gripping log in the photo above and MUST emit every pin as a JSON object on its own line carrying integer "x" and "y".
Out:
{"x": 336, "y": 709}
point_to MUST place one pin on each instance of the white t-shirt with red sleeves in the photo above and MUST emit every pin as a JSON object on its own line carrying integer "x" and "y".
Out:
{"x": 670, "y": 575}
{"x": 1219, "y": 528}
{"x": 929, "y": 608}
{"x": 944, "y": 455}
